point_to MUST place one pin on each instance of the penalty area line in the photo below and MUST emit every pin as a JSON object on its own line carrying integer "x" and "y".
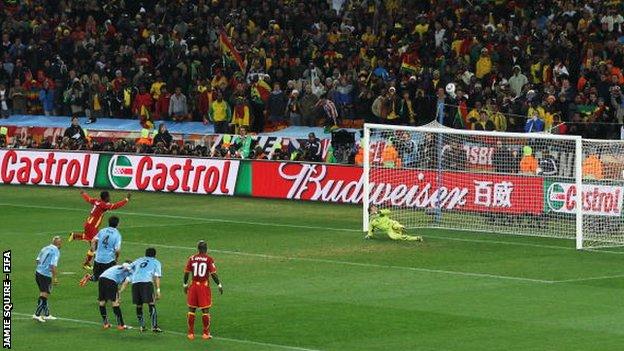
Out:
{"x": 205, "y": 220}
{"x": 355, "y": 264}
{"x": 576, "y": 280}
{"x": 240, "y": 341}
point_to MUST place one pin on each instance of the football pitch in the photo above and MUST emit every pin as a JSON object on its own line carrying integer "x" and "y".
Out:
{"x": 299, "y": 276}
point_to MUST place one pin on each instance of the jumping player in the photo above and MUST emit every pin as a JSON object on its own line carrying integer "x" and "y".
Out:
{"x": 380, "y": 222}
{"x": 107, "y": 248}
{"x": 198, "y": 294}
{"x": 92, "y": 224}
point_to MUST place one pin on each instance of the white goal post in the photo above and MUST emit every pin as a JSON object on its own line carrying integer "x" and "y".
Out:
{"x": 509, "y": 183}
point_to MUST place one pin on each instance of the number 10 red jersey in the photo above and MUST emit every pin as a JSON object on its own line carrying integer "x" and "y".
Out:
{"x": 200, "y": 266}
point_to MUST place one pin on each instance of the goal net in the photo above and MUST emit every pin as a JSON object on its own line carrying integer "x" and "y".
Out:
{"x": 510, "y": 183}
{"x": 603, "y": 192}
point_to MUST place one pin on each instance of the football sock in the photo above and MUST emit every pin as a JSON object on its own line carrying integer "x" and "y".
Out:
{"x": 153, "y": 315}
{"x": 191, "y": 322}
{"x": 45, "y": 306}
{"x": 139, "y": 312}
{"x": 103, "y": 314}
{"x": 206, "y": 321}
{"x": 41, "y": 303}
{"x": 89, "y": 257}
{"x": 118, "y": 316}
{"x": 77, "y": 236}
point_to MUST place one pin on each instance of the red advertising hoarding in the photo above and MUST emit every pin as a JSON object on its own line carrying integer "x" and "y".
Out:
{"x": 47, "y": 168}
{"x": 406, "y": 188}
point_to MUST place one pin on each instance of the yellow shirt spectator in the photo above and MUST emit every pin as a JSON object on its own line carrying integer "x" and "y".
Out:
{"x": 484, "y": 65}
{"x": 369, "y": 38}
{"x": 456, "y": 46}
{"x": 421, "y": 29}
{"x": 500, "y": 121}
{"x": 392, "y": 5}
{"x": 536, "y": 73}
{"x": 472, "y": 118}
{"x": 541, "y": 113}
{"x": 155, "y": 89}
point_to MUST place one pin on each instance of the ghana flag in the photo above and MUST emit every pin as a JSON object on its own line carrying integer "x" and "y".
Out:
{"x": 261, "y": 91}
{"x": 230, "y": 51}
{"x": 410, "y": 63}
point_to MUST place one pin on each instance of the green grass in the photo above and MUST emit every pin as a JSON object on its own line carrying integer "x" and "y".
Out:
{"x": 292, "y": 282}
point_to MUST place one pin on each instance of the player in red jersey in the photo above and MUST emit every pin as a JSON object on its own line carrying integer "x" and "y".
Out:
{"x": 92, "y": 224}
{"x": 198, "y": 295}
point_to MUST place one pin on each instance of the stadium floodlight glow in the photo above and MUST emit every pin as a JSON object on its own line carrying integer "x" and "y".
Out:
{"x": 509, "y": 183}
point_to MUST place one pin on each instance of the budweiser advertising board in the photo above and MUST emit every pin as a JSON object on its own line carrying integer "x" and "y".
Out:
{"x": 171, "y": 174}
{"x": 47, "y": 168}
{"x": 411, "y": 188}
{"x": 598, "y": 200}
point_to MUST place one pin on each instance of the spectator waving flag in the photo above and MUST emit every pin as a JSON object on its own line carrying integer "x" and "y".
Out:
{"x": 409, "y": 63}
{"x": 261, "y": 91}
{"x": 229, "y": 51}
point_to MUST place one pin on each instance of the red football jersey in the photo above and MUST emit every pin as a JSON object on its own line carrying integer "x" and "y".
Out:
{"x": 99, "y": 207}
{"x": 200, "y": 266}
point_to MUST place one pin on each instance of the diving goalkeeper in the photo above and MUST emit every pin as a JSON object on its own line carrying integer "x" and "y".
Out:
{"x": 380, "y": 222}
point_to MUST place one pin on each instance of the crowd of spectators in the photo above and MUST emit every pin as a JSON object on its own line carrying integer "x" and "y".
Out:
{"x": 517, "y": 65}
{"x": 241, "y": 145}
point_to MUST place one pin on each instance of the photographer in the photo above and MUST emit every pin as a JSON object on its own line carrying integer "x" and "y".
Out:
{"x": 293, "y": 109}
{"x": 3, "y": 139}
{"x": 547, "y": 165}
{"x": 163, "y": 136}
{"x": 75, "y": 132}
{"x": 75, "y": 97}
{"x": 312, "y": 149}
{"x": 406, "y": 148}
{"x": 617, "y": 101}
{"x": 502, "y": 159}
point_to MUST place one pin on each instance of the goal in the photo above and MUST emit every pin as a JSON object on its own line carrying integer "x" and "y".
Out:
{"x": 509, "y": 183}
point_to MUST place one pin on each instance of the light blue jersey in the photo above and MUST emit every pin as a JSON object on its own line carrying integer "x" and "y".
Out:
{"x": 145, "y": 269}
{"x": 108, "y": 241}
{"x": 117, "y": 273}
{"x": 48, "y": 256}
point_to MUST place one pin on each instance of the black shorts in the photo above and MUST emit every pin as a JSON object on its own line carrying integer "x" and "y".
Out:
{"x": 44, "y": 283}
{"x": 142, "y": 293}
{"x": 107, "y": 290}
{"x": 99, "y": 268}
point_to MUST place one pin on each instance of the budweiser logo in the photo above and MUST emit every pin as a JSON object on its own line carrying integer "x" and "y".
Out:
{"x": 421, "y": 193}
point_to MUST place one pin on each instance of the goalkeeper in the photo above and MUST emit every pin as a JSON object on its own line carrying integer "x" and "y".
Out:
{"x": 380, "y": 222}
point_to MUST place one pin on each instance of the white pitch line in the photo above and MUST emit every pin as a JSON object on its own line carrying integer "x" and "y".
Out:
{"x": 221, "y": 220}
{"x": 607, "y": 251}
{"x": 208, "y": 220}
{"x": 357, "y": 264}
{"x": 131, "y": 227}
{"x": 240, "y": 341}
{"x": 497, "y": 242}
{"x": 574, "y": 280}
